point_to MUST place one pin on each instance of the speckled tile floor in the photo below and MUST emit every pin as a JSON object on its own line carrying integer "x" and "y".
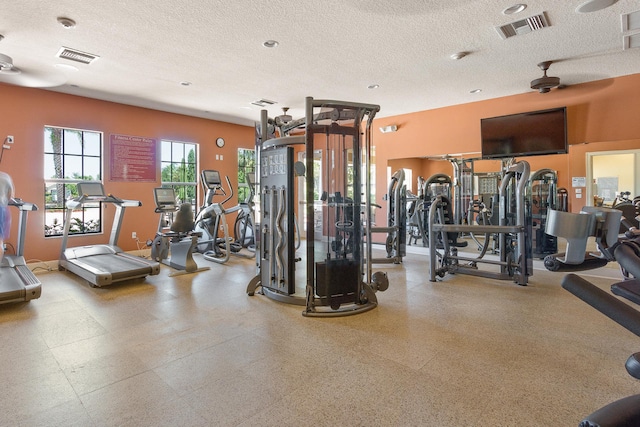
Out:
{"x": 195, "y": 350}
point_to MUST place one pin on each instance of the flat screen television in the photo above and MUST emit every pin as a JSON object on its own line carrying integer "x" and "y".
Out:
{"x": 525, "y": 134}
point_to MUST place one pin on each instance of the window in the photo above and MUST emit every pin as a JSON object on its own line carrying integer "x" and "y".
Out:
{"x": 70, "y": 156}
{"x": 179, "y": 170}
{"x": 246, "y": 168}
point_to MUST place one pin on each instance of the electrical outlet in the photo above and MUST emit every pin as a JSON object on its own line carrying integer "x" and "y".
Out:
{"x": 9, "y": 139}
{"x": 134, "y": 235}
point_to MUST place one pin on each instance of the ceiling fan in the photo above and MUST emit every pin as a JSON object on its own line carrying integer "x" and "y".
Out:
{"x": 545, "y": 83}
{"x": 11, "y": 74}
{"x": 6, "y": 65}
{"x": 284, "y": 118}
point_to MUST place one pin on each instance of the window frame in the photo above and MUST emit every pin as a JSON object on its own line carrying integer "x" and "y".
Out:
{"x": 181, "y": 187}
{"x": 244, "y": 168}
{"x": 90, "y": 220}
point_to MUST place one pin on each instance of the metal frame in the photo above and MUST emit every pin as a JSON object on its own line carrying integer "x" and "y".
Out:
{"x": 515, "y": 262}
{"x": 278, "y": 200}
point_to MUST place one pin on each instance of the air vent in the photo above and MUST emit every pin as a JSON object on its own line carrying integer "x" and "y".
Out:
{"x": 263, "y": 103}
{"x": 632, "y": 41}
{"x": 523, "y": 26}
{"x": 76, "y": 55}
{"x": 631, "y": 21}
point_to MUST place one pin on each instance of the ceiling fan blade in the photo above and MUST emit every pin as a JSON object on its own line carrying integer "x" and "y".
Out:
{"x": 34, "y": 78}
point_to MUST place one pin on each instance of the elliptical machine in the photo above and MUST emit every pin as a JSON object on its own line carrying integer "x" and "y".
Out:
{"x": 213, "y": 217}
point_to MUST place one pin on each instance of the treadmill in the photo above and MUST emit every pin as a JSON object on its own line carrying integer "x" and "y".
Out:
{"x": 17, "y": 281}
{"x": 102, "y": 265}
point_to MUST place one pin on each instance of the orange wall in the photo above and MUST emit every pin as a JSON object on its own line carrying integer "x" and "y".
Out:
{"x": 26, "y": 111}
{"x": 602, "y": 114}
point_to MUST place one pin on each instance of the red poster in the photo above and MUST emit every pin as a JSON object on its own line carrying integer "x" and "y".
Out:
{"x": 133, "y": 158}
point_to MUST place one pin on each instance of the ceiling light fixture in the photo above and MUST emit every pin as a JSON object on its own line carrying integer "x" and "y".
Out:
{"x": 270, "y": 43}
{"x": 475, "y": 91}
{"x": 1, "y": 37}
{"x": 373, "y": 86}
{"x": 5, "y": 62}
{"x": 388, "y": 129}
{"x": 185, "y": 83}
{"x": 594, "y": 5}
{"x": 458, "y": 55}
{"x": 516, "y": 8}
{"x": 6, "y": 65}
{"x": 66, "y": 22}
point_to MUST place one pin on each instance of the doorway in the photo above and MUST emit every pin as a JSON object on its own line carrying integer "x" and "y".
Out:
{"x": 611, "y": 172}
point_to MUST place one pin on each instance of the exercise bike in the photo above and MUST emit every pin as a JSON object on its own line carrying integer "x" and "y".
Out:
{"x": 174, "y": 247}
{"x": 626, "y": 411}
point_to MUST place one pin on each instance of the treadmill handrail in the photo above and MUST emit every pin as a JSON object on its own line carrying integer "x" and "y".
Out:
{"x": 82, "y": 200}
{"x": 120, "y": 204}
{"x": 25, "y": 208}
{"x": 22, "y": 205}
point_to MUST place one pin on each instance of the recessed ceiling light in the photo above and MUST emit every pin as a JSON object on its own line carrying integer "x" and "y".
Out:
{"x": 516, "y": 8}
{"x": 185, "y": 83}
{"x": 594, "y": 5}
{"x": 66, "y": 22}
{"x": 373, "y": 86}
{"x": 475, "y": 91}
{"x": 270, "y": 43}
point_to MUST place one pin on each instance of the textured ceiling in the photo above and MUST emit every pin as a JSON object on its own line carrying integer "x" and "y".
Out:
{"x": 329, "y": 49}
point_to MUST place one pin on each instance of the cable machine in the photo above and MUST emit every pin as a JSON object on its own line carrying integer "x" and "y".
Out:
{"x": 339, "y": 281}
{"x": 513, "y": 233}
{"x": 396, "y": 229}
{"x": 543, "y": 192}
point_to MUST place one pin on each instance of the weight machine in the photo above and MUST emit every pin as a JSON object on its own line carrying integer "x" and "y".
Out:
{"x": 396, "y": 229}
{"x": 418, "y": 214}
{"x": 513, "y": 233}
{"x": 337, "y": 282}
{"x": 626, "y": 411}
{"x": 543, "y": 192}
{"x": 599, "y": 222}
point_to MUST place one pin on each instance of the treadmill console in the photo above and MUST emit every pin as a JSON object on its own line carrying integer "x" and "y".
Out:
{"x": 91, "y": 189}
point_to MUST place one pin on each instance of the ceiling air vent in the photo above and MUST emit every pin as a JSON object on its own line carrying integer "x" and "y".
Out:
{"x": 263, "y": 102}
{"x": 76, "y": 55}
{"x": 632, "y": 41}
{"x": 523, "y": 26}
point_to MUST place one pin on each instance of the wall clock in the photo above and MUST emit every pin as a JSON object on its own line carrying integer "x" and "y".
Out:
{"x": 220, "y": 142}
